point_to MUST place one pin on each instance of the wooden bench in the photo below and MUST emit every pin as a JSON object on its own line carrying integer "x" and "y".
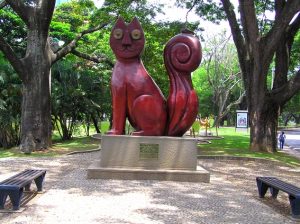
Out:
{"x": 263, "y": 183}
{"x": 14, "y": 186}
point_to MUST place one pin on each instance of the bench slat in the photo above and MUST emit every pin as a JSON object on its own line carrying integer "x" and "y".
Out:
{"x": 26, "y": 173}
{"x": 23, "y": 178}
{"x": 281, "y": 185}
{"x": 284, "y": 186}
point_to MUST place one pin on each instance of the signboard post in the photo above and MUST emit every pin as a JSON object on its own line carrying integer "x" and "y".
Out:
{"x": 241, "y": 120}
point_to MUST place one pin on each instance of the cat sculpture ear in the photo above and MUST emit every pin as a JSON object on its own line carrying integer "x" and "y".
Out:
{"x": 120, "y": 22}
{"x": 135, "y": 23}
{"x": 136, "y": 30}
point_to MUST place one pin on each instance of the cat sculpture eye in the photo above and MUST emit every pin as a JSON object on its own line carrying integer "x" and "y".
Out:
{"x": 136, "y": 34}
{"x": 118, "y": 34}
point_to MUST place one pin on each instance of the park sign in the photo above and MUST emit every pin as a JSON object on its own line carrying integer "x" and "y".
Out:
{"x": 241, "y": 120}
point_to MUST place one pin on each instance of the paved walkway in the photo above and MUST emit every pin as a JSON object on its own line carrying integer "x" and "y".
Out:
{"x": 230, "y": 197}
{"x": 292, "y": 142}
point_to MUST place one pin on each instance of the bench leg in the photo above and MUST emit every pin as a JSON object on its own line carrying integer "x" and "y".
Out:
{"x": 295, "y": 205}
{"x": 15, "y": 197}
{"x": 262, "y": 188}
{"x": 3, "y": 197}
{"x": 27, "y": 187}
{"x": 39, "y": 182}
{"x": 274, "y": 192}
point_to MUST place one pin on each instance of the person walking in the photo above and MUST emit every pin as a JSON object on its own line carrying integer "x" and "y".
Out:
{"x": 281, "y": 139}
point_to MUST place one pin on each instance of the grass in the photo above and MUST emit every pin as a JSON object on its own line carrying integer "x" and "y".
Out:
{"x": 237, "y": 144}
{"x": 233, "y": 144}
{"x": 58, "y": 148}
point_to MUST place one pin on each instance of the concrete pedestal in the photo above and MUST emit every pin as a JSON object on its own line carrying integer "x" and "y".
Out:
{"x": 154, "y": 158}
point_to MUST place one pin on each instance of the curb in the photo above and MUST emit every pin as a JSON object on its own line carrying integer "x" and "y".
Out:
{"x": 87, "y": 151}
{"x": 203, "y": 142}
{"x": 241, "y": 158}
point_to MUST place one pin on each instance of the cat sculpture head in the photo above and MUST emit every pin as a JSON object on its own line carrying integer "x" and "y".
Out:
{"x": 127, "y": 40}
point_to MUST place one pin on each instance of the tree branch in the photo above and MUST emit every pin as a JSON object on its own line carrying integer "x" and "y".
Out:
{"x": 250, "y": 25}
{"x": 93, "y": 58}
{"x": 282, "y": 55}
{"x": 48, "y": 8}
{"x": 287, "y": 91}
{"x": 236, "y": 32}
{"x": 21, "y": 9}
{"x": 237, "y": 102}
{"x": 12, "y": 57}
{"x": 272, "y": 38}
{"x": 72, "y": 45}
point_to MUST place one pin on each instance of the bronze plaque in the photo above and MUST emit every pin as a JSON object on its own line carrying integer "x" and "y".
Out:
{"x": 149, "y": 151}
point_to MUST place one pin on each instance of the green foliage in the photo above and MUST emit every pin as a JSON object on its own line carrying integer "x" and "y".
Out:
{"x": 208, "y": 9}
{"x": 295, "y": 54}
{"x": 75, "y": 12}
{"x": 204, "y": 91}
{"x": 79, "y": 94}
{"x": 104, "y": 126}
{"x": 10, "y": 105}
{"x": 61, "y": 30}
{"x": 13, "y": 30}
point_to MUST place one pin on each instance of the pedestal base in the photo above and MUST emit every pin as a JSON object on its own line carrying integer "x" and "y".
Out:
{"x": 148, "y": 158}
{"x": 97, "y": 172}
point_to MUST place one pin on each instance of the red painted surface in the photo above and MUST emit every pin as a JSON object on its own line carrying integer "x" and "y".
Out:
{"x": 137, "y": 97}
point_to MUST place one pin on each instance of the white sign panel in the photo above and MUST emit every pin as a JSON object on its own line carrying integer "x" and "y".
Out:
{"x": 241, "y": 119}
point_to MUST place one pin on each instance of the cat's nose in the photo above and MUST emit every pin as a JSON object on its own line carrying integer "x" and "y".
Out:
{"x": 126, "y": 39}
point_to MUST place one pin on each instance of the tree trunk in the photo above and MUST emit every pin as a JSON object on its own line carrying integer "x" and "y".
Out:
{"x": 95, "y": 122}
{"x": 36, "y": 102}
{"x": 263, "y": 128}
{"x": 66, "y": 129}
{"x": 263, "y": 111}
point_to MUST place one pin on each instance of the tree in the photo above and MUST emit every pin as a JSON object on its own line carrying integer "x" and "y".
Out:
{"x": 223, "y": 75}
{"x": 34, "y": 69}
{"x": 79, "y": 95}
{"x": 260, "y": 40}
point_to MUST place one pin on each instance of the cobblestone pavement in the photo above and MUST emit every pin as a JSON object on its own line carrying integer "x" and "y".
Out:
{"x": 230, "y": 197}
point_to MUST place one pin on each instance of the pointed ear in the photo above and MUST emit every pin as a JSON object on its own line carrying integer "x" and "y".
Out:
{"x": 135, "y": 22}
{"x": 120, "y": 22}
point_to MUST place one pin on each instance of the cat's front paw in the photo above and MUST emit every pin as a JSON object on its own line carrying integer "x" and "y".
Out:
{"x": 114, "y": 132}
{"x": 138, "y": 133}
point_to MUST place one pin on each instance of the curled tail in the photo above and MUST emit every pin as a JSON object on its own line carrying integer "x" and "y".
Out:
{"x": 182, "y": 55}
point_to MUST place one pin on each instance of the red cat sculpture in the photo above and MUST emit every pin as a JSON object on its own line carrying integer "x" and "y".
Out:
{"x": 137, "y": 97}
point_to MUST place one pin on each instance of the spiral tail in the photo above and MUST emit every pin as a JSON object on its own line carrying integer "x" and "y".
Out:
{"x": 182, "y": 55}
